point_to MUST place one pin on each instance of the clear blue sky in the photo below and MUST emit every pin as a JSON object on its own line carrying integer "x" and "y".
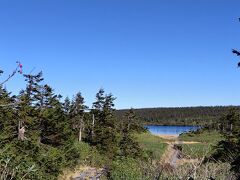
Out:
{"x": 148, "y": 53}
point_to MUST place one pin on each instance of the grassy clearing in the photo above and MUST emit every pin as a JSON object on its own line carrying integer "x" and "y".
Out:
{"x": 152, "y": 144}
{"x": 210, "y": 137}
{"x": 207, "y": 138}
{"x": 196, "y": 150}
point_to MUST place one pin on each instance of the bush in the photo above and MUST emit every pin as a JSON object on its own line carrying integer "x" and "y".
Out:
{"x": 125, "y": 169}
{"x": 76, "y": 153}
{"x": 38, "y": 161}
{"x": 13, "y": 166}
{"x": 51, "y": 162}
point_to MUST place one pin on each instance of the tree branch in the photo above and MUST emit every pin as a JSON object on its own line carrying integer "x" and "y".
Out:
{"x": 18, "y": 69}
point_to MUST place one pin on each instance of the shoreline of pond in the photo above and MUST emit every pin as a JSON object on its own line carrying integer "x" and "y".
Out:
{"x": 171, "y": 131}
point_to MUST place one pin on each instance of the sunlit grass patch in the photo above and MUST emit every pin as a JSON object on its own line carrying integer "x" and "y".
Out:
{"x": 196, "y": 150}
{"x": 211, "y": 137}
{"x": 152, "y": 144}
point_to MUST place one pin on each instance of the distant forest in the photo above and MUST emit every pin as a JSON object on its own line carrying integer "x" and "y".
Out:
{"x": 201, "y": 115}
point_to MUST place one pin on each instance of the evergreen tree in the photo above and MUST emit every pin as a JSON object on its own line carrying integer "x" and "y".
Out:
{"x": 133, "y": 122}
{"x": 228, "y": 150}
{"x": 128, "y": 146}
{"x": 230, "y": 123}
{"x": 55, "y": 128}
{"x": 105, "y": 130}
{"x": 8, "y": 117}
{"x": 77, "y": 114}
{"x": 99, "y": 103}
{"x": 67, "y": 106}
{"x": 31, "y": 103}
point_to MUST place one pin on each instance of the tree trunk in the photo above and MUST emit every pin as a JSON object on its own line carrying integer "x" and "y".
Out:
{"x": 21, "y": 131}
{"x": 93, "y": 123}
{"x": 81, "y": 127}
{"x": 80, "y": 134}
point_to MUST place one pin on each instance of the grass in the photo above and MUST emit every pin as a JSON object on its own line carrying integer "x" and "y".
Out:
{"x": 204, "y": 136}
{"x": 196, "y": 150}
{"x": 207, "y": 140}
{"x": 152, "y": 144}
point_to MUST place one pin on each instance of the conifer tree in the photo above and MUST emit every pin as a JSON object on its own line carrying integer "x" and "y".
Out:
{"x": 8, "y": 119}
{"x": 55, "y": 128}
{"x": 31, "y": 104}
{"x": 128, "y": 146}
{"x": 77, "y": 114}
{"x": 67, "y": 106}
{"x": 105, "y": 130}
{"x": 133, "y": 122}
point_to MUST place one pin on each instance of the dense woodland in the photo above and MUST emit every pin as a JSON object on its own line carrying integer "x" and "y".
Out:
{"x": 202, "y": 115}
{"x": 40, "y": 134}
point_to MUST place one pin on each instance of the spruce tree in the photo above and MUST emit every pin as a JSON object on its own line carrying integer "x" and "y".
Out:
{"x": 76, "y": 113}
{"x": 8, "y": 118}
{"x": 128, "y": 146}
{"x": 67, "y": 106}
{"x": 105, "y": 130}
{"x": 133, "y": 122}
{"x": 55, "y": 128}
{"x": 31, "y": 103}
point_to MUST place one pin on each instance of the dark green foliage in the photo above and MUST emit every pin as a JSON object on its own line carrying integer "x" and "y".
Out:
{"x": 132, "y": 122}
{"x": 204, "y": 116}
{"x": 228, "y": 150}
{"x": 104, "y": 129}
{"x": 67, "y": 106}
{"x": 8, "y": 116}
{"x": 76, "y": 115}
{"x": 126, "y": 169}
{"x": 129, "y": 147}
{"x": 39, "y": 133}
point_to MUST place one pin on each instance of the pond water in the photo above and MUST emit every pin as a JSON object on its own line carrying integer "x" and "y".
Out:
{"x": 170, "y": 130}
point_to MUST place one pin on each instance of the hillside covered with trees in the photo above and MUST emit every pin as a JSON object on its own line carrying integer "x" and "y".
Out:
{"x": 202, "y": 115}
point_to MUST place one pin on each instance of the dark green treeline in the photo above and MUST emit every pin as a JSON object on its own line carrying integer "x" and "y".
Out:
{"x": 202, "y": 115}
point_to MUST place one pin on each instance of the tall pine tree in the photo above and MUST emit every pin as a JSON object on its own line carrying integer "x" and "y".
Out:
{"x": 105, "y": 131}
{"x": 76, "y": 114}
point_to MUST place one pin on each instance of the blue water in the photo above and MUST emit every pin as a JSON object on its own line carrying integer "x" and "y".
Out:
{"x": 170, "y": 130}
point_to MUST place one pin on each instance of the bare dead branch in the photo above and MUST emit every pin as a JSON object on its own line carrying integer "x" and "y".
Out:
{"x": 18, "y": 69}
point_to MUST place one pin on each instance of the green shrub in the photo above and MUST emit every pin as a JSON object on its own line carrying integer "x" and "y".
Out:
{"x": 125, "y": 169}
{"x": 76, "y": 153}
{"x": 96, "y": 159}
{"x": 43, "y": 162}
{"x": 51, "y": 162}
{"x": 14, "y": 167}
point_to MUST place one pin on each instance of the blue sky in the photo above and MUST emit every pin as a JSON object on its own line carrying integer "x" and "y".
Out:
{"x": 148, "y": 53}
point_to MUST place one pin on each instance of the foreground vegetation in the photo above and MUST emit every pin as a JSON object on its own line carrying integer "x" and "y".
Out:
{"x": 203, "y": 142}
{"x": 153, "y": 145}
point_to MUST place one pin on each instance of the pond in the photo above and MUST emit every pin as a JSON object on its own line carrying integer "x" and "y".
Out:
{"x": 170, "y": 130}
